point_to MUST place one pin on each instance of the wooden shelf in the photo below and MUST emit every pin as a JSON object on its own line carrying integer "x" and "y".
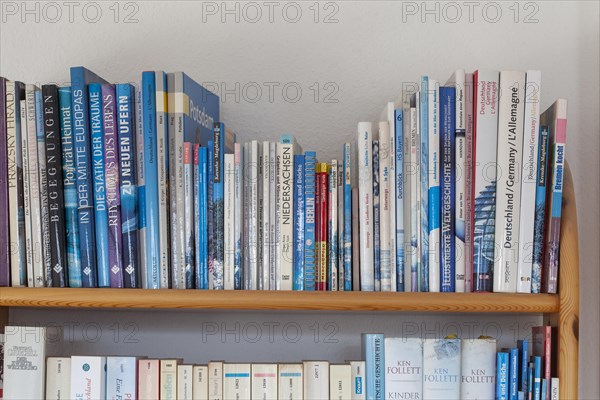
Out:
{"x": 280, "y": 300}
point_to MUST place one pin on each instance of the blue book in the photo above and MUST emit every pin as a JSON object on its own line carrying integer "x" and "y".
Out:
{"x": 151, "y": 202}
{"x": 376, "y": 233}
{"x": 141, "y": 189}
{"x": 310, "y": 159}
{"x": 537, "y": 377}
{"x": 69, "y": 188}
{"x": 202, "y": 194}
{"x": 530, "y": 381}
{"x": 513, "y": 373}
{"x": 210, "y": 161}
{"x": 544, "y": 391}
{"x": 447, "y": 186}
{"x": 424, "y": 125}
{"x": 100, "y": 209}
{"x": 128, "y": 182}
{"x": 348, "y": 217}
{"x": 80, "y": 120}
{"x": 540, "y": 209}
{"x": 523, "y": 346}
{"x": 374, "y": 356}
{"x": 399, "y": 140}
{"x": 299, "y": 215}
{"x": 502, "y": 376}
{"x": 218, "y": 198}
{"x": 201, "y": 110}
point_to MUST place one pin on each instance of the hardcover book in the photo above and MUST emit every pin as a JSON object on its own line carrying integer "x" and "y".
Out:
{"x": 121, "y": 378}
{"x": 365, "y": 205}
{"x": 299, "y": 216}
{"x": 478, "y": 366}
{"x": 502, "y": 376}
{"x": 236, "y": 381}
{"x": 229, "y": 224}
{"x": 4, "y": 229}
{"x": 397, "y": 196}
{"x": 433, "y": 201}
{"x": 385, "y": 182}
{"x": 322, "y": 219}
{"x": 347, "y": 236}
{"x": 542, "y": 347}
{"x": 88, "y": 377}
{"x": 469, "y": 191}
{"x": 376, "y": 219}
{"x": 403, "y": 368}
{"x": 266, "y": 216}
{"x": 187, "y": 273}
{"x": 238, "y": 215}
{"x": 264, "y": 382}
{"x": 201, "y": 175}
{"x": 316, "y": 380}
{"x": 58, "y": 378}
{"x": 141, "y": 188}
{"x": 148, "y": 379}
{"x": 24, "y": 361}
{"x": 389, "y": 115}
{"x": 374, "y": 355}
{"x": 412, "y": 281}
{"x": 332, "y": 228}
{"x": 441, "y": 368}
{"x": 423, "y": 115}
{"x": 340, "y": 378}
{"x": 540, "y": 209}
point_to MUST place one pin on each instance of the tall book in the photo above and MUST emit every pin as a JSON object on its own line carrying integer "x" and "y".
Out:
{"x": 215, "y": 380}
{"x": 80, "y": 120}
{"x": 412, "y": 281}
{"x": 185, "y": 382}
{"x": 168, "y": 379}
{"x": 376, "y": 218}
{"x": 26, "y": 195}
{"x": 356, "y": 271}
{"x": 121, "y": 378}
{"x": 373, "y": 353}
{"x": 253, "y": 220}
{"x": 540, "y": 209}
{"x": 389, "y": 115}
{"x": 4, "y": 212}
{"x": 523, "y": 346}
{"x": 468, "y": 172}
{"x": 202, "y": 235}
{"x": 148, "y": 379}
{"x": 478, "y": 366}
{"x": 316, "y": 380}
{"x": 299, "y": 217}
{"x": 340, "y": 382}
{"x": 502, "y": 375}
{"x": 332, "y": 228}
{"x": 264, "y": 382}
{"x": 236, "y": 381}
{"x": 140, "y": 163}
{"x": 542, "y": 347}
{"x": 531, "y": 126}
{"x": 187, "y": 273}
{"x": 262, "y": 278}
{"x": 290, "y": 381}
{"x": 447, "y": 188}
{"x": 511, "y": 115}
{"x": 229, "y": 224}
{"x": 266, "y": 215}
{"x": 441, "y": 368}
{"x": 358, "y": 380}
{"x": 24, "y": 361}
{"x": 340, "y": 226}
{"x": 397, "y": 197}
{"x": 485, "y": 138}
{"x": 364, "y": 156}
{"x": 88, "y": 377}
{"x": 58, "y": 378}
{"x": 347, "y": 237}
{"x": 424, "y": 175}
{"x": 309, "y": 219}
{"x": 556, "y": 118}
{"x": 403, "y": 368}
{"x": 322, "y": 199}
{"x": 385, "y": 181}
{"x": 200, "y": 382}
{"x": 238, "y": 215}
{"x": 273, "y": 221}
{"x": 433, "y": 201}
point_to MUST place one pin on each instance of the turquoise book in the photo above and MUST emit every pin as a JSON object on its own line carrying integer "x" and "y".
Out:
{"x": 373, "y": 353}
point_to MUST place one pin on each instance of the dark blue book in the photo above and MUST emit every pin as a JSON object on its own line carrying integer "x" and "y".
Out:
{"x": 513, "y": 373}
{"x": 210, "y": 212}
{"x": 376, "y": 236}
{"x": 202, "y": 264}
{"x": 80, "y": 78}
{"x": 523, "y": 346}
{"x": 502, "y": 366}
{"x": 537, "y": 378}
{"x": 540, "y": 209}
{"x": 310, "y": 159}
{"x": 447, "y": 186}
{"x": 299, "y": 215}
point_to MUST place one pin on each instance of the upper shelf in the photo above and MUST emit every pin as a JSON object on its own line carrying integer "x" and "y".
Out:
{"x": 279, "y": 300}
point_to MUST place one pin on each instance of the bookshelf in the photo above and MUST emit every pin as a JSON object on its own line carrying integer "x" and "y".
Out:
{"x": 561, "y": 310}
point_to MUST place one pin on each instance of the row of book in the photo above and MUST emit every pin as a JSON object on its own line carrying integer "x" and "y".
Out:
{"x": 106, "y": 186}
{"x": 391, "y": 368}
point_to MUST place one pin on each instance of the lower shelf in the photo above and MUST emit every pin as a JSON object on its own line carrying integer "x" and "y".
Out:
{"x": 279, "y": 300}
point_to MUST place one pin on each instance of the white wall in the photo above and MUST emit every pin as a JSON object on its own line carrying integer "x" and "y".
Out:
{"x": 361, "y": 61}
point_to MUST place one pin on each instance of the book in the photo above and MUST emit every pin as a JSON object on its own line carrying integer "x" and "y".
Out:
{"x": 316, "y": 380}
{"x": 398, "y": 196}
{"x": 529, "y": 169}
{"x": 148, "y": 379}
{"x": 262, "y": 275}
{"x": 186, "y": 280}
{"x": 238, "y": 215}
{"x": 43, "y": 188}
{"x": 478, "y": 368}
{"x": 537, "y": 377}
{"x": 340, "y": 225}
{"x": 141, "y": 188}
{"x": 423, "y": 127}
{"x": 448, "y": 189}
{"x": 513, "y": 372}
{"x": 376, "y": 219}
{"x": 544, "y": 392}
{"x": 340, "y": 378}
{"x": 121, "y": 378}
{"x": 389, "y": 115}
{"x": 253, "y": 220}
{"x": 309, "y": 219}
{"x": 441, "y": 368}
{"x": 412, "y": 280}
{"x": 201, "y": 176}
{"x": 403, "y": 368}
{"x": 554, "y": 388}
{"x": 556, "y": 118}
{"x": 58, "y": 378}
{"x": 215, "y": 380}
{"x": 200, "y": 382}
{"x": 246, "y": 207}
{"x": 299, "y": 217}
{"x": 347, "y": 236}
{"x": 542, "y": 347}
{"x": 236, "y": 381}
{"x": 365, "y": 205}
{"x": 88, "y": 377}
{"x": 469, "y": 191}
{"x": 373, "y": 353}
{"x": 511, "y": 113}
{"x": 502, "y": 376}
{"x": 229, "y": 223}
{"x": 540, "y": 209}
{"x": 355, "y": 240}
{"x": 332, "y": 227}
{"x": 24, "y": 361}
{"x": 290, "y": 381}
{"x": 264, "y": 382}
{"x": 485, "y": 137}
{"x": 523, "y": 346}
{"x": 385, "y": 200}
{"x": 273, "y": 222}
{"x": 4, "y": 229}
{"x": 322, "y": 200}
{"x": 26, "y": 195}
{"x": 168, "y": 379}
{"x": 185, "y": 381}
{"x": 266, "y": 216}
{"x": 358, "y": 380}
{"x": 433, "y": 217}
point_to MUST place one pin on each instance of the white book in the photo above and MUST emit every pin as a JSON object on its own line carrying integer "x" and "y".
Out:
{"x": 478, "y": 365}
{"x": 412, "y": 268}
{"x": 168, "y": 379}
{"x": 273, "y": 222}
{"x": 406, "y": 194}
{"x": 200, "y": 382}
{"x": 266, "y": 216}
{"x": 163, "y": 178}
{"x": 260, "y": 272}
{"x": 141, "y": 181}
{"x": 441, "y": 369}
{"x": 246, "y": 223}
{"x": 384, "y": 207}
{"x": 358, "y": 380}
{"x": 58, "y": 378}
{"x": 457, "y": 80}
{"x": 403, "y": 368}
{"x": 26, "y": 195}
{"x": 290, "y": 384}
{"x": 88, "y": 377}
{"x": 554, "y": 388}
{"x": 468, "y": 254}
{"x": 434, "y": 184}
{"x": 229, "y": 224}
{"x": 45, "y": 221}
{"x": 236, "y": 381}
{"x": 529, "y": 179}
{"x": 332, "y": 231}
{"x": 264, "y": 381}
{"x": 389, "y": 115}
{"x": 340, "y": 382}
{"x": 148, "y": 379}
{"x": 316, "y": 380}
{"x": 365, "y": 204}
{"x": 121, "y": 378}
{"x": 252, "y": 182}
{"x": 185, "y": 382}
{"x": 188, "y": 261}
{"x": 215, "y": 380}
{"x": 238, "y": 217}
{"x": 511, "y": 113}
{"x": 24, "y": 361}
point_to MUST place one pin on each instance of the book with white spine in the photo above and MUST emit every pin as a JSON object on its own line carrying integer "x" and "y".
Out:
{"x": 478, "y": 365}
{"x": 188, "y": 261}
{"x": 43, "y": 183}
{"x": 251, "y": 278}
{"x": 200, "y": 382}
{"x": 290, "y": 384}
{"x": 168, "y": 379}
{"x": 58, "y": 378}
{"x": 229, "y": 223}
{"x": 457, "y": 80}
{"x": 121, "y": 378}
{"x": 468, "y": 254}
{"x": 215, "y": 380}
{"x": 261, "y": 274}
{"x": 332, "y": 204}
{"x": 411, "y": 280}
{"x": 26, "y": 195}
{"x": 385, "y": 201}
{"x": 24, "y": 362}
{"x": 340, "y": 382}
{"x": 403, "y": 368}
{"x": 511, "y": 114}
{"x": 388, "y": 115}
{"x": 529, "y": 179}
{"x": 358, "y": 380}
{"x": 364, "y": 155}
{"x": 433, "y": 201}
{"x": 88, "y": 377}
{"x": 407, "y": 172}
{"x": 264, "y": 382}
{"x": 148, "y": 379}
{"x": 185, "y": 382}
{"x": 266, "y": 216}
{"x": 316, "y": 380}
{"x": 238, "y": 217}
{"x": 236, "y": 381}
{"x": 441, "y": 369}
{"x": 273, "y": 223}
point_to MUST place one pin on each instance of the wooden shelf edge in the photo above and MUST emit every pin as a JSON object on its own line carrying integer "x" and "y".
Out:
{"x": 278, "y": 300}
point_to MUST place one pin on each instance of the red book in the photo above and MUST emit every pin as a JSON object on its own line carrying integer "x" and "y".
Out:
{"x": 317, "y": 224}
{"x": 323, "y": 222}
{"x": 542, "y": 346}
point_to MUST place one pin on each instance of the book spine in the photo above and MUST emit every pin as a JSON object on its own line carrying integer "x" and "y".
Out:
{"x": 121, "y": 377}
{"x": 253, "y": 218}
{"x": 88, "y": 376}
{"x": 485, "y": 137}
{"x": 508, "y": 188}
{"x": 98, "y": 170}
{"x": 58, "y": 378}
{"x": 197, "y": 231}
{"x": 317, "y": 224}
{"x": 441, "y": 368}
{"x": 286, "y": 150}
{"x": 316, "y": 380}
{"x": 24, "y": 361}
{"x": 356, "y": 236}
{"x": 537, "y": 378}
{"x": 218, "y": 208}
{"x": 412, "y": 284}
{"x": 290, "y": 383}
{"x": 128, "y": 184}
{"x": 540, "y": 209}
{"x": 238, "y": 216}
{"x": 246, "y": 225}
{"x": 264, "y": 381}
{"x": 322, "y": 245}
{"x": 299, "y": 216}
{"x": 200, "y": 382}
{"x": 502, "y": 376}
{"x": 273, "y": 221}
{"x": 26, "y": 194}
{"x": 340, "y": 225}
{"x": 168, "y": 379}
{"x": 374, "y": 356}
{"x": 403, "y": 368}
{"x": 554, "y": 388}
{"x": 332, "y": 216}
{"x": 188, "y": 195}
{"x": 544, "y": 392}
{"x": 176, "y": 111}
{"x": 309, "y": 221}
{"x": 4, "y": 212}
{"x": 523, "y": 346}
{"x": 365, "y": 205}
{"x": 469, "y": 188}
{"x": 340, "y": 377}
{"x": 448, "y": 197}
{"x": 424, "y": 198}
{"x": 184, "y": 380}
{"x": 384, "y": 208}
{"x": 202, "y": 266}
{"x": 391, "y": 144}
{"x": 528, "y": 180}
{"x": 141, "y": 188}
{"x": 347, "y": 189}
{"x": 236, "y": 381}
{"x": 148, "y": 379}
{"x": 210, "y": 160}
{"x": 229, "y": 230}
{"x": 434, "y": 186}
{"x": 399, "y": 198}
{"x": 478, "y": 366}
{"x": 513, "y": 373}
{"x": 262, "y": 274}
{"x": 376, "y": 219}
{"x": 56, "y": 215}
{"x": 358, "y": 380}
{"x": 266, "y": 216}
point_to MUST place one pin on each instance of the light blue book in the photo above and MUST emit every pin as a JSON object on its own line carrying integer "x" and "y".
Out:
{"x": 530, "y": 381}
{"x": 373, "y": 353}
{"x": 121, "y": 377}
{"x": 69, "y": 188}
{"x": 540, "y": 209}
{"x": 100, "y": 207}
{"x": 502, "y": 376}
{"x": 299, "y": 216}
{"x": 537, "y": 378}
{"x": 218, "y": 206}
{"x": 523, "y": 346}
{"x": 400, "y": 259}
{"x": 544, "y": 392}
{"x": 310, "y": 159}
{"x": 202, "y": 194}
{"x": 424, "y": 128}
{"x": 141, "y": 188}
{"x": 513, "y": 373}
{"x": 210, "y": 161}
{"x": 376, "y": 216}
{"x": 348, "y": 216}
